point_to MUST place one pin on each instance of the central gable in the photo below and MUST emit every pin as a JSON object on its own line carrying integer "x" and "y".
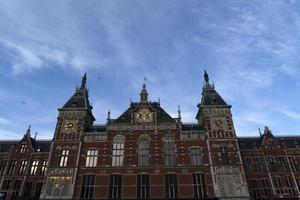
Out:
{"x": 150, "y": 113}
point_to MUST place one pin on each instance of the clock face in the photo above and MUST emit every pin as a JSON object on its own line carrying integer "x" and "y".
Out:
{"x": 219, "y": 123}
{"x": 144, "y": 115}
{"x": 69, "y": 126}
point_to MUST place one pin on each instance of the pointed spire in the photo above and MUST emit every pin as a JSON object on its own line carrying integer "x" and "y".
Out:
{"x": 179, "y": 112}
{"x": 28, "y": 130}
{"x": 206, "y": 78}
{"x": 83, "y": 81}
{"x": 108, "y": 115}
{"x": 144, "y": 93}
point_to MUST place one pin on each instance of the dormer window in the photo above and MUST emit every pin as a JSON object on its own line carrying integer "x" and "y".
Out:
{"x": 23, "y": 148}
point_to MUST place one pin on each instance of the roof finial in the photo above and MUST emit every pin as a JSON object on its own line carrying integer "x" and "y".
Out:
{"x": 83, "y": 81}
{"x": 206, "y": 78}
{"x": 108, "y": 115}
{"x": 28, "y": 130}
{"x": 179, "y": 112}
{"x": 259, "y": 132}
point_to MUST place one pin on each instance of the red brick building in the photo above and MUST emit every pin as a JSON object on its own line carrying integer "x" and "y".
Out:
{"x": 147, "y": 154}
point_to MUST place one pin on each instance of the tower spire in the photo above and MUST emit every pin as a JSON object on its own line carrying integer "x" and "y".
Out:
{"x": 206, "y": 78}
{"x": 144, "y": 93}
{"x": 83, "y": 81}
{"x": 28, "y": 130}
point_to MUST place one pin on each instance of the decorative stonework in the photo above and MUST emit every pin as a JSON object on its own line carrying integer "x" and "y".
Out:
{"x": 228, "y": 182}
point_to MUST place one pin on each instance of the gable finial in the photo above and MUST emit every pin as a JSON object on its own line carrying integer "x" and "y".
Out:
{"x": 179, "y": 112}
{"x": 83, "y": 81}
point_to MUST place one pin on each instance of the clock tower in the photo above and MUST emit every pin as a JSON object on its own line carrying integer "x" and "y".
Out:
{"x": 73, "y": 119}
{"x": 226, "y": 167}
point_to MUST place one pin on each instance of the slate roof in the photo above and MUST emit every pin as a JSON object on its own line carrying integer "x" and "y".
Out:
{"x": 79, "y": 99}
{"x": 43, "y": 145}
{"x": 211, "y": 97}
{"x": 189, "y": 127}
{"x": 161, "y": 114}
{"x": 254, "y": 142}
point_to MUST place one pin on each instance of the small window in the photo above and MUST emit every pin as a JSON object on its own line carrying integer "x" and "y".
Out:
{"x": 44, "y": 167}
{"x": 196, "y": 156}
{"x": 23, "y": 167}
{"x": 91, "y": 158}
{"x": 87, "y": 189}
{"x": 64, "y": 158}
{"x": 118, "y": 151}
{"x": 115, "y": 186}
{"x": 143, "y": 151}
{"x": 2, "y": 166}
{"x": 34, "y": 167}
{"x": 23, "y": 148}
{"x": 38, "y": 190}
{"x": 5, "y": 184}
{"x": 143, "y": 186}
{"x": 199, "y": 185}
{"x": 12, "y": 167}
{"x": 171, "y": 186}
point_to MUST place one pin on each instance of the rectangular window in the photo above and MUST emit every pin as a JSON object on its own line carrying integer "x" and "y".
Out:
{"x": 196, "y": 156}
{"x": 14, "y": 195}
{"x": 170, "y": 153}
{"x": 253, "y": 187}
{"x": 38, "y": 190}
{"x": 91, "y": 158}
{"x": 118, "y": 154}
{"x": 143, "y": 153}
{"x": 171, "y": 186}
{"x": 293, "y": 163}
{"x": 64, "y": 158}
{"x": 5, "y": 184}
{"x": 266, "y": 187}
{"x": 23, "y": 167}
{"x": 44, "y": 167}
{"x": 143, "y": 186}
{"x": 34, "y": 167}
{"x": 199, "y": 185}
{"x": 115, "y": 186}
{"x": 27, "y": 189}
{"x": 2, "y": 166}
{"x": 87, "y": 189}
{"x": 224, "y": 151}
{"x": 23, "y": 148}
{"x": 17, "y": 184}
{"x": 12, "y": 167}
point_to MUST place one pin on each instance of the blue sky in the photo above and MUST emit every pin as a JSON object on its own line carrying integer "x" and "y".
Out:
{"x": 250, "y": 49}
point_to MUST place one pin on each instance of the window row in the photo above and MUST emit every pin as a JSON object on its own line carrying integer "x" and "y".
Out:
{"x": 274, "y": 164}
{"x": 20, "y": 167}
{"x": 142, "y": 187}
{"x": 16, "y": 188}
{"x": 143, "y": 156}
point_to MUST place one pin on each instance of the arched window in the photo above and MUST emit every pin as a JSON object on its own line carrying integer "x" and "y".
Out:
{"x": 143, "y": 151}
{"x": 169, "y": 150}
{"x": 118, "y": 151}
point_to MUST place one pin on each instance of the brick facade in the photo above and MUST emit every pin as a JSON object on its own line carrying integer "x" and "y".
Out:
{"x": 145, "y": 153}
